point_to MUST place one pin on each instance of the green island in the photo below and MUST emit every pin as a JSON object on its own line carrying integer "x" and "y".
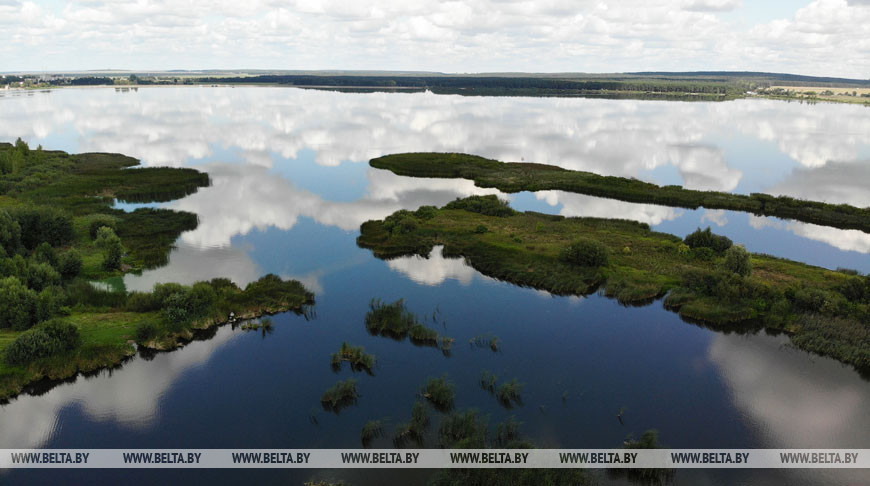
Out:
{"x": 60, "y": 231}
{"x": 515, "y": 177}
{"x": 704, "y": 278}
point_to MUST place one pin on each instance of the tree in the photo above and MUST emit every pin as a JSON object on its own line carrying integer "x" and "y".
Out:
{"x": 10, "y": 233}
{"x": 737, "y": 261}
{"x": 41, "y": 275}
{"x": 69, "y": 264}
{"x": 109, "y": 242}
{"x": 17, "y": 304}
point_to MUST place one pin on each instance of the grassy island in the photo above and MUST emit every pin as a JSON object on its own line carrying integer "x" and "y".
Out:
{"x": 59, "y": 231}
{"x": 704, "y": 278}
{"x": 516, "y": 177}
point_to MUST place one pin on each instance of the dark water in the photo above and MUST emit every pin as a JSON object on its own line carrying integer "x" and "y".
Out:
{"x": 290, "y": 189}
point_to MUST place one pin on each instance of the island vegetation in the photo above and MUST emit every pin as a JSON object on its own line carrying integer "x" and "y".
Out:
{"x": 516, "y": 177}
{"x": 705, "y": 277}
{"x": 59, "y": 232}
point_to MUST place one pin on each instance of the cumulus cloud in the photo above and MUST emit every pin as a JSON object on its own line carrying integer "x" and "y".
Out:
{"x": 467, "y": 36}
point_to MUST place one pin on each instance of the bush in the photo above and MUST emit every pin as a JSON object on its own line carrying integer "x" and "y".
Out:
{"x": 426, "y": 212}
{"x": 163, "y": 291}
{"x": 69, "y": 264}
{"x": 481, "y": 229}
{"x": 48, "y": 303}
{"x": 737, "y": 261}
{"x": 44, "y": 253}
{"x": 487, "y": 205}
{"x": 109, "y": 242}
{"x": 41, "y": 275}
{"x": 146, "y": 331}
{"x": 51, "y": 338}
{"x": 177, "y": 309}
{"x": 586, "y": 253}
{"x": 17, "y": 304}
{"x": 98, "y": 221}
{"x": 706, "y": 239}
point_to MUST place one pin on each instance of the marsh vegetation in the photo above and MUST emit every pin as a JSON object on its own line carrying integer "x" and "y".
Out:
{"x": 341, "y": 395}
{"x": 705, "y": 278}
{"x": 356, "y": 356}
{"x": 58, "y": 230}
{"x": 396, "y": 321}
{"x": 516, "y": 177}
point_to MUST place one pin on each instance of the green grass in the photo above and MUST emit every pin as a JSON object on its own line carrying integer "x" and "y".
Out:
{"x": 516, "y": 177}
{"x": 525, "y": 249}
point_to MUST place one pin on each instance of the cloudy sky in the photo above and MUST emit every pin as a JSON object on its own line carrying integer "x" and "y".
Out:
{"x": 817, "y": 37}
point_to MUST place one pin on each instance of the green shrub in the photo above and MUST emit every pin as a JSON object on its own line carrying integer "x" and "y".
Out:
{"x": 707, "y": 239}
{"x": 486, "y": 205}
{"x": 42, "y": 275}
{"x": 44, "y": 253}
{"x": 426, "y": 212}
{"x": 586, "y": 253}
{"x": 177, "y": 309}
{"x": 49, "y": 339}
{"x": 146, "y": 331}
{"x": 737, "y": 261}
{"x": 99, "y": 221}
{"x": 48, "y": 303}
{"x": 17, "y": 304}
{"x": 109, "y": 242}
{"x": 69, "y": 264}
{"x": 481, "y": 229}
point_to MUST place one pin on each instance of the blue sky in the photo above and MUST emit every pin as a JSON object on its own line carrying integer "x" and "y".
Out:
{"x": 818, "y": 37}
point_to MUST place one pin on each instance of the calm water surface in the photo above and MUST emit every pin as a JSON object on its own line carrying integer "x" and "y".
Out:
{"x": 291, "y": 186}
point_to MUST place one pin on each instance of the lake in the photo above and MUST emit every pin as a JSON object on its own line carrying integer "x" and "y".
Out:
{"x": 290, "y": 187}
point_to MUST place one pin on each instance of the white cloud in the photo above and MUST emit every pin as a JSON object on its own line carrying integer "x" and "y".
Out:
{"x": 828, "y": 37}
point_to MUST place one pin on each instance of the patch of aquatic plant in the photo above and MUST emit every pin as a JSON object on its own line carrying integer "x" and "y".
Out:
{"x": 439, "y": 392}
{"x": 730, "y": 289}
{"x": 396, "y": 321}
{"x": 413, "y": 430}
{"x": 647, "y": 477}
{"x": 371, "y": 431}
{"x": 488, "y": 381}
{"x": 488, "y": 340}
{"x": 264, "y": 325}
{"x": 341, "y": 395}
{"x": 510, "y": 393}
{"x": 356, "y": 356}
{"x": 516, "y": 177}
